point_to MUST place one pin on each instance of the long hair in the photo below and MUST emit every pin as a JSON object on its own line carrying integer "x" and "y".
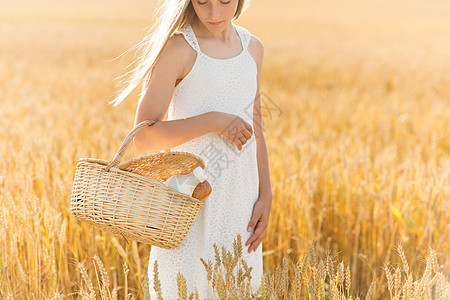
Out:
{"x": 172, "y": 15}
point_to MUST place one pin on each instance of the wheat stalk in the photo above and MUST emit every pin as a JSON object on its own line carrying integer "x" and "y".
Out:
{"x": 370, "y": 291}
{"x": 104, "y": 277}
{"x": 87, "y": 280}
{"x": 182, "y": 288}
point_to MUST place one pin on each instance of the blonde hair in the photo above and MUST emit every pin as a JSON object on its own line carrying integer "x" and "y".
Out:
{"x": 172, "y": 15}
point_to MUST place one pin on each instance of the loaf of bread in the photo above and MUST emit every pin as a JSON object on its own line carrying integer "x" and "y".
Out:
{"x": 202, "y": 190}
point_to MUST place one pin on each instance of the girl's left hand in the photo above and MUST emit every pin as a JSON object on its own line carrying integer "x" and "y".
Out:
{"x": 260, "y": 218}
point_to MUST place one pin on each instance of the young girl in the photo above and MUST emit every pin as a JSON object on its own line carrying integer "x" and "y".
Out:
{"x": 204, "y": 70}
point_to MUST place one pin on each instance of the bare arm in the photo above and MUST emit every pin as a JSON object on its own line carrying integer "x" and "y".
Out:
{"x": 168, "y": 134}
{"x": 175, "y": 61}
{"x": 265, "y": 189}
{"x": 262, "y": 207}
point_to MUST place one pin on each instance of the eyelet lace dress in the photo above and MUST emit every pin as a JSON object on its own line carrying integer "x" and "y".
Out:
{"x": 227, "y": 85}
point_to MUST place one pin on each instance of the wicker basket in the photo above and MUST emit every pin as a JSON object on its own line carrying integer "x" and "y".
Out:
{"x": 130, "y": 200}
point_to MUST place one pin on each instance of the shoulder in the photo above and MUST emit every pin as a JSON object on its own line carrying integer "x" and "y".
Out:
{"x": 254, "y": 42}
{"x": 256, "y": 45}
{"x": 177, "y": 54}
{"x": 177, "y": 47}
{"x": 256, "y": 48}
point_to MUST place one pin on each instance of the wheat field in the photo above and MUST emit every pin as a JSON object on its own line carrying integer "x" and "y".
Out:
{"x": 357, "y": 123}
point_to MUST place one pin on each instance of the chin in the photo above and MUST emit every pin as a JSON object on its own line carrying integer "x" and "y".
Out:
{"x": 220, "y": 26}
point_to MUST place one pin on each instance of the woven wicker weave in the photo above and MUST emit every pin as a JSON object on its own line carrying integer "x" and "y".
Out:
{"x": 130, "y": 200}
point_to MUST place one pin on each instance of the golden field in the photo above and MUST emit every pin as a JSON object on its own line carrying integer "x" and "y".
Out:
{"x": 357, "y": 129}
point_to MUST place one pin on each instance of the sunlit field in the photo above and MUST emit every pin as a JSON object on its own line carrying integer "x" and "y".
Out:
{"x": 356, "y": 111}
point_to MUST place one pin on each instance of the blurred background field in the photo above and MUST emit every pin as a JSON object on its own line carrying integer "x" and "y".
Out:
{"x": 358, "y": 141}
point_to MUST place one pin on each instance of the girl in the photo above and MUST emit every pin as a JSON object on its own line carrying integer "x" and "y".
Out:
{"x": 204, "y": 70}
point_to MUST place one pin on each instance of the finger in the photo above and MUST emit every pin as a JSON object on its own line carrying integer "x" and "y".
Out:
{"x": 259, "y": 229}
{"x": 249, "y": 127}
{"x": 256, "y": 243}
{"x": 251, "y": 240}
{"x": 242, "y": 139}
{"x": 247, "y": 134}
{"x": 238, "y": 143}
{"x": 253, "y": 221}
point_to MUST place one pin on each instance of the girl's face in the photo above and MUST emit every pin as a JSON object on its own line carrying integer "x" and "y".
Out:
{"x": 215, "y": 15}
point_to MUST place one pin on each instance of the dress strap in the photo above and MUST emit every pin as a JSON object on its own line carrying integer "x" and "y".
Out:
{"x": 244, "y": 34}
{"x": 189, "y": 35}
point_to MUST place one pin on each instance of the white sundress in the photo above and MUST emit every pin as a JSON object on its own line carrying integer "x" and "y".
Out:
{"x": 227, "y": 85}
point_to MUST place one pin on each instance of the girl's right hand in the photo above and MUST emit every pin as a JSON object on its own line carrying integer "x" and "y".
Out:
{"x": 233, "y": 128}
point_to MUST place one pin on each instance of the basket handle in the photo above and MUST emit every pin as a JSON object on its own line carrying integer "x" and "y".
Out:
{"x": 127, "y": 141}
